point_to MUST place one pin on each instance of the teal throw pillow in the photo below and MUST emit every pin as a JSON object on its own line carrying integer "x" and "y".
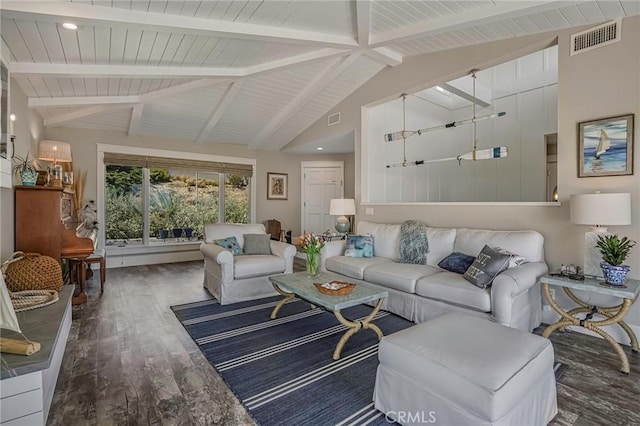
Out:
{"x": 229, "y": 243}
{"x": 359, "y": 246}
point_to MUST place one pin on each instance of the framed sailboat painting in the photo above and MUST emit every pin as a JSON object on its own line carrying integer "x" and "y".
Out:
{"x": 605, "y": 146}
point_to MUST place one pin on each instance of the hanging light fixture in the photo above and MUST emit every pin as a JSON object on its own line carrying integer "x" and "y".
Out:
{"x": 475, "y": 154}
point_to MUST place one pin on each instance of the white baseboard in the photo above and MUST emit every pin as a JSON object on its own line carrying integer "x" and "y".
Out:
{"x": 549, "y": 317}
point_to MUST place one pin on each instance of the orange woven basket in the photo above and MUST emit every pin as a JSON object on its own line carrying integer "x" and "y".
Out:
{"x": 32, "y": 271}
{"x": 345, "y": 288}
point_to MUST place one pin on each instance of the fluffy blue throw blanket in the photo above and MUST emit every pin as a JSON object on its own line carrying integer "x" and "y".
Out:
{"x": 414, "y": 245}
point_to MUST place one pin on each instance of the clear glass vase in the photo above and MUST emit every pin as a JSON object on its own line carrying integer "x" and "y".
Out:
{"x": 313, "y": 264}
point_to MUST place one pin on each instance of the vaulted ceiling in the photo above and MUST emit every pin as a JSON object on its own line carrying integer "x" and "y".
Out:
{"x": 254, "y": 73}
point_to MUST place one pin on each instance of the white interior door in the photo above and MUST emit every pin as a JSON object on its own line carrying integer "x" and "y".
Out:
{"x": 322, "y": 181}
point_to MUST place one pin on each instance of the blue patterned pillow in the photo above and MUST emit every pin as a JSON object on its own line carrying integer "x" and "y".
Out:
{"x": 230, "y": 243}
{"x": 359, "y": 246}
{"x": 457, "y": 262}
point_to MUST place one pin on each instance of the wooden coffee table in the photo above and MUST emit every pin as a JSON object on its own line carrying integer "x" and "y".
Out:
{"x": 301, "y": 286}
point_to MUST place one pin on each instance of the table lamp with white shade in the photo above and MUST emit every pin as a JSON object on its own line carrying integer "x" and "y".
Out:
{"x": 596, "y": 210}
{"x": 342, "y": 207}
{"x": 58, "y": 152}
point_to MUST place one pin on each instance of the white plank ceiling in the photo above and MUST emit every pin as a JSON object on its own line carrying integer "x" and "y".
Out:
{"x": 254, "y": 73}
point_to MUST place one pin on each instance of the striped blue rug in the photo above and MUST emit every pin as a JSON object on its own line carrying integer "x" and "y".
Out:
{"x": 282, "y": 370}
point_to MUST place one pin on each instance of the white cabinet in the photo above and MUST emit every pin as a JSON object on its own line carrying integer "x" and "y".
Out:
{"x": 26, "y": 390}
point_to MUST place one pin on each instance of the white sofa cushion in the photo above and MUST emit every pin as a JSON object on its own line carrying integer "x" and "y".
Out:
{"x": 441, "y": 241}
{"x": 400, "y": 276}
{"x": 453, "y": 288}
{"x": 386, "y": 238}
{"x": 529, "y": 244}
{"x": 255, "y": 265}
{"x": 353, "y": 267}
{"x": 216, "y": 231}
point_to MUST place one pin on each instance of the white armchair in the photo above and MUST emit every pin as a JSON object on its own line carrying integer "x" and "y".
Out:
{"x": 232, "y": 279}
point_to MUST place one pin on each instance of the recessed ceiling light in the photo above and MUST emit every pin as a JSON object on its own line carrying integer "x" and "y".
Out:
{"x": 319, "y": 148}
{"x": 69, "y": 26}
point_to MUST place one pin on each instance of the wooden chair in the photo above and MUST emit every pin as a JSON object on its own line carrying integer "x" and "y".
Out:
{"x": 80, "y": 265}
{"x": 274, "y": 228}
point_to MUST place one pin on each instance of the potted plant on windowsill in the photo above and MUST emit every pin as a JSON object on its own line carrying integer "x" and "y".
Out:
{"x": 614, "y": 251}
{"x": 23, "y": 167}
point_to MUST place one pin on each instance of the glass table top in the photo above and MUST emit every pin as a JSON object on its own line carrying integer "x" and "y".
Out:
{"x": 302, "y": 285}
{"x": 596, "y": 285}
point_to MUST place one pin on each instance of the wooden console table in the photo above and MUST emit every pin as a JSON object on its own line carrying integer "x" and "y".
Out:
{"x": 611, "y": 314}
{"x": 28, "y": 382}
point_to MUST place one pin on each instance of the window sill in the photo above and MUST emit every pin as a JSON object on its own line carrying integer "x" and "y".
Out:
{"x": 470, "y": 203}
{"x": 153, "y": 248}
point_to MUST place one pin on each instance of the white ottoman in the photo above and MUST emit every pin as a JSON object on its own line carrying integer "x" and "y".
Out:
{"x": 461, "y": 370}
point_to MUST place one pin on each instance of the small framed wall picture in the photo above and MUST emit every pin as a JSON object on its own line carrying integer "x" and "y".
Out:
{"x": 277, "y": 186}
{"x": 605, "y": 147}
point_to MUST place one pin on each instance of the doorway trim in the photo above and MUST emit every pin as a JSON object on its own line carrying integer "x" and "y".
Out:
{"x": 316, "y": 164}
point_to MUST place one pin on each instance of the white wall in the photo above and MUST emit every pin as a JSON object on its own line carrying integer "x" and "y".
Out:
{"x": 28, "y": 131}
{"x": 525, "y": 88}
{"x": 598, "y": 83}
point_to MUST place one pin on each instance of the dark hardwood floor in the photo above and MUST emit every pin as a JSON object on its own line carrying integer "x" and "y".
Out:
{"x": 128, "y": 361}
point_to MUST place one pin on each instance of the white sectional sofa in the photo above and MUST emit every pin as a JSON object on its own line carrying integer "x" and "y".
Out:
{"x": 423, "y": 292}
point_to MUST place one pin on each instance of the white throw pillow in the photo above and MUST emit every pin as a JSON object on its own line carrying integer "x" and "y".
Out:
{"x": 515, "y": 260}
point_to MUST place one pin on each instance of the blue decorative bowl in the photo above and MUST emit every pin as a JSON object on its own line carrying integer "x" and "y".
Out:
{"x": 615, "y": 275}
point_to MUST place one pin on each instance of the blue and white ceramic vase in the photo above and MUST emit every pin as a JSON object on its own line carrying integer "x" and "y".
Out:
{"x": 29, "y": 177}
{"x": 615, "y": 275}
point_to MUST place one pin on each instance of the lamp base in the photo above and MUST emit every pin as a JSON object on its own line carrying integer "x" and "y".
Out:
{"x": 592, "y": 256}
{"x": 342, "y": 224}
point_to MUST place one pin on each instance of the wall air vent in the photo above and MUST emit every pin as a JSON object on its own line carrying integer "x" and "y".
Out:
{"x": 333, "y": 119}
{"x": 604, "y": 34}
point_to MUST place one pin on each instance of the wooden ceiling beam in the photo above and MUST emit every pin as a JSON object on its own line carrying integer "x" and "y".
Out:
{"x": 24, "y": 69}
{"x": 86, "y": 112}
{"x": 385, "y": 55}
{"x": 74, "y": 101}
{"x": 363, "y": 21}
{"x": 112, "y": 103}
{"x": 226, "y": 100}
{"x": 114, "y": 17}
{"x": 134, "y": 121}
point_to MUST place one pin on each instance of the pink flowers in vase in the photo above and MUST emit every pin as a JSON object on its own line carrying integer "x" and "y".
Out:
{"x": 310, "y": 242}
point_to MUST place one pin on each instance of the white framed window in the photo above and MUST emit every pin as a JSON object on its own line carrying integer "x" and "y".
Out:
{"x": 149, "y": 197}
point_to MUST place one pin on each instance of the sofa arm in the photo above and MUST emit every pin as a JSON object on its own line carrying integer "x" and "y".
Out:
{"x": 331, "y": 249}
{"x": 216, "y": 253}
{"x": 511, "y": 283}
{"x": 286, "y": 251}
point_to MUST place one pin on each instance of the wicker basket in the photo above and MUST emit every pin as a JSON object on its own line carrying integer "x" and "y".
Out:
{"x": 344, "y": 288}
{"x": 32, "y": 271}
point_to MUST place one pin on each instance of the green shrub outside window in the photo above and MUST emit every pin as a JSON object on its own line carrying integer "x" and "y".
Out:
{"x": 176, "y": 200}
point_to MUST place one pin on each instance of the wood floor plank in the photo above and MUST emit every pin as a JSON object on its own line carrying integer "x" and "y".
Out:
{"x": 128, "y": 361}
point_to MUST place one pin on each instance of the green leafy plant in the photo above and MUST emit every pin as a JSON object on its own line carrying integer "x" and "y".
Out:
{"x": 22, "y": 164}
{"x": 614, "y": 250}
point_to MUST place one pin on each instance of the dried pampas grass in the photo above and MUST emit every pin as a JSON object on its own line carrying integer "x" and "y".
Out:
{"x": 80, "y": 179}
